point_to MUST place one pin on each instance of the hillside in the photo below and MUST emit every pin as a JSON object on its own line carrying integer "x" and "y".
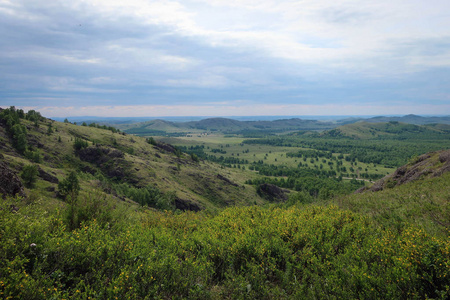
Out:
{"x": 108, "y": 160}
{"x": 223, "y": 125}
{"x": 387, "y": 130}
{"x": 428, "y": 165}
{"x": 416, "y": 193}
{"x": 411, "y": 119}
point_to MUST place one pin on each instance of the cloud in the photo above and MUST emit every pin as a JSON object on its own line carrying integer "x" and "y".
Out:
{"x": 205, "y": 51}
{"x": 235, "y": 110}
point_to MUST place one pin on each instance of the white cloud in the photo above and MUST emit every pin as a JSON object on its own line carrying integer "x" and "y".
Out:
{"x": 241, "y": 47}
{"x": 235, "y": 109}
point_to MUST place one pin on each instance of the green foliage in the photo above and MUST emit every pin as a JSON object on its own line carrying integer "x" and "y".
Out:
{"x": 194, "y": 157}
{"x": 34, "y": 116}
{"x": 69, "y": 186}
{"x": 147, "y": 196}
{"x": 34, "y": 156}
{"x": 240, "y": 253}
{"x": 29, "y": 175}
{"x": 19, "y": 135}
{"x": 79, "y": 144}
{"x": 151, "y": 141}
{"x": 50, "y": 129}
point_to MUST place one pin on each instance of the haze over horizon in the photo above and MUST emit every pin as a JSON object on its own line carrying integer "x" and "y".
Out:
{"x": 225, "y": 58}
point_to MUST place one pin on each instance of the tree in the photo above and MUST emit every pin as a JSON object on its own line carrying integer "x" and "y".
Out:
{"x": 50, "y": 129}
{"x": 69, "y": 187}
{"x": 29, "y": 175}
{"x": 19, "y": 135}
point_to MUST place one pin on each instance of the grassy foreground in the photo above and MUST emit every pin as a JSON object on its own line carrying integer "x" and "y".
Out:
{"x": 239, "y": 253}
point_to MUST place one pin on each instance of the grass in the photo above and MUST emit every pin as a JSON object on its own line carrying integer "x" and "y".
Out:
{"x": 424, "y": 203}
{"x": 275, "y": 155}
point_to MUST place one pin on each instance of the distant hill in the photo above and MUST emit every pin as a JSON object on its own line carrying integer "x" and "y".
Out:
{"x": 392, "y": 129}
{"x": 411, "y": 119}
{"x": 225, "y": 125}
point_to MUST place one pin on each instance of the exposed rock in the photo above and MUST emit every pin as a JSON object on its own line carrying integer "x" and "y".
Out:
{"x": 47, "y": 177}
{"x": 10, "y": 183}
{"x": 184, "y": 205}
{"x": 223, "y": 178}
{"x": 98, "y": 154}
{"x": 272, "y": 192}
{"x": 166, "y": 147}
{"x": 432, "y": 164}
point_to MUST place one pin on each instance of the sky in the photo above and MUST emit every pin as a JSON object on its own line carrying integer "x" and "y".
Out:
{"x": 225, "y": 57}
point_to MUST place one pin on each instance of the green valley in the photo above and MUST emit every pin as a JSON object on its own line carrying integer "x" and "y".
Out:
{"x": 223, "y": 209}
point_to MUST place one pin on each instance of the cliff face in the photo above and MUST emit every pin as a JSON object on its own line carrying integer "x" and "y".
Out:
{"x": 432, "y": 164}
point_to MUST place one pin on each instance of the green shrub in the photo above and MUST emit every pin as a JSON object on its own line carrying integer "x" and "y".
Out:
{"x": 29, "y": 175}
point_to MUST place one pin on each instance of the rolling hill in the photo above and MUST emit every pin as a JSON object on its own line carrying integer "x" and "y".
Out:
{"x": 223, "y": 125}
{"x": 392, "y": 129}
{"x": 109, "y": 159}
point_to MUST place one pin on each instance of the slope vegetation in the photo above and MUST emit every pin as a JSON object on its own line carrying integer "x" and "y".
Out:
{"x": 387, "y": 130}
{"x": 121, "y": 165}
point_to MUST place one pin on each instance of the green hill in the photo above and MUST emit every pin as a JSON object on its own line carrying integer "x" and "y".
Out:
{"x": 389, "y": 130}
{"x": 223, "y": 125}
{"x": 113, "y": 162}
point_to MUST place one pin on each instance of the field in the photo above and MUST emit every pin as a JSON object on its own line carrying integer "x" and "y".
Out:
{"x": 234, "y": 147}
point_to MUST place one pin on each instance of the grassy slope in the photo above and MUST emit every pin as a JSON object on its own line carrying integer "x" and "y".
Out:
{"x": 424, "y": 200}
{"x": 193, "y": 181}
{"x": 364, "y": 130}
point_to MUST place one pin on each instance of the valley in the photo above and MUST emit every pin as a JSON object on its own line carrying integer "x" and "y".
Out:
{"x": 221, "y": 209}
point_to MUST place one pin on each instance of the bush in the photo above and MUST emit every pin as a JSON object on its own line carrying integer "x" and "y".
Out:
{"x": 29, "y": 175}
{"x": 79, "y": 144}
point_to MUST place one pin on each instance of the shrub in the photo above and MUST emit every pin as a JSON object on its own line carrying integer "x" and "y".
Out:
{"x": 29, "y": 175}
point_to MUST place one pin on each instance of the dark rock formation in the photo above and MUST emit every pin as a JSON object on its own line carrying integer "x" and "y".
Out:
{"x": 226, "y": 180}
{"x": 98, "y": 154}
{"x": 272, "y": 192}
{"x": 432, "y": 164}
{"x": 184, "y": 205}
{"x": 166, "y": 147}
{"x": 47, "y": 177}
{"x": 10, "y": 183}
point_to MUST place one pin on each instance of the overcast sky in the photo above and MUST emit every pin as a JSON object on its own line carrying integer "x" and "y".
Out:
{"x": 225, "y": 57}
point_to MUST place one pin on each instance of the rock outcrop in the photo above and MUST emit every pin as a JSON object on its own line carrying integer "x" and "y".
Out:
{"x": 272, "y": 192}
{"x": 432, "y": 164}
{"x": 10, "y": 183}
